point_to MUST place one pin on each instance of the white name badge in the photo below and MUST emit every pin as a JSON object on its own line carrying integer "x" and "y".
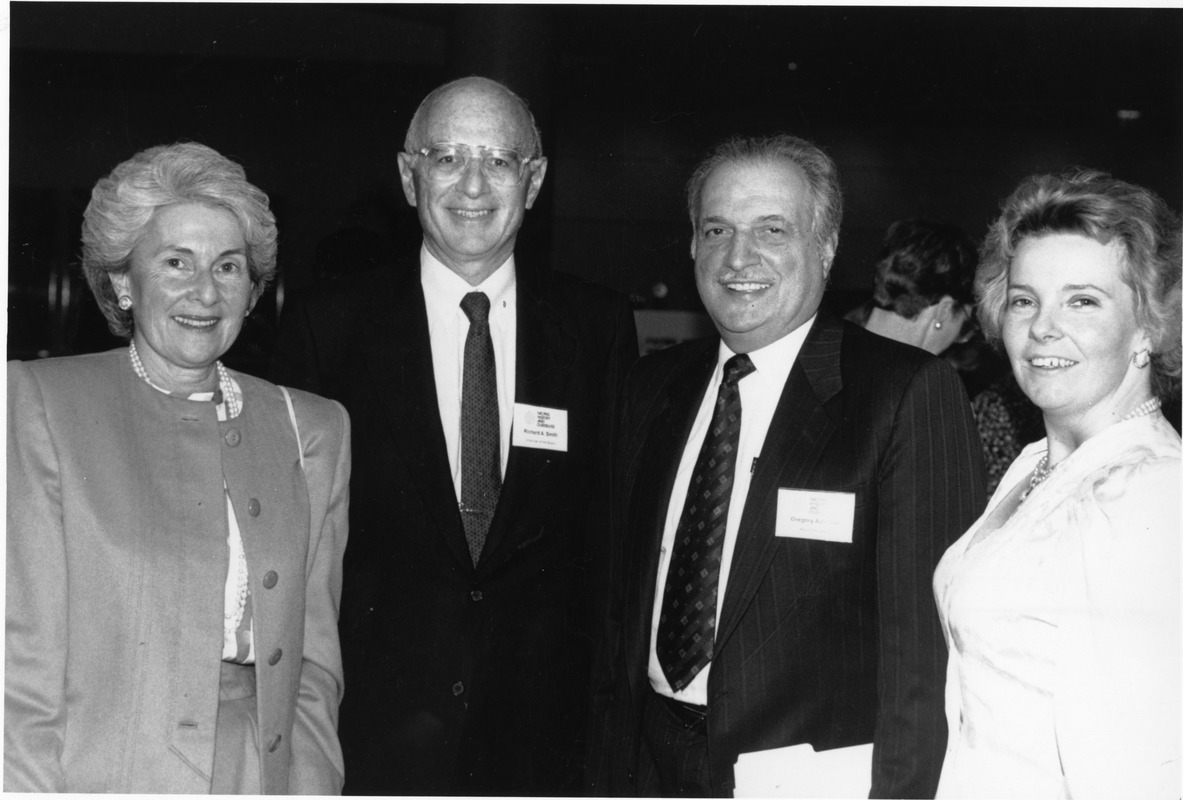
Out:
{"x": 807, "y": 514}
{"x": 539, "y": 427}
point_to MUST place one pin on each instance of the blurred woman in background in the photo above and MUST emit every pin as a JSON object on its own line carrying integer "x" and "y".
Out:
{"x": 923, "y": 296}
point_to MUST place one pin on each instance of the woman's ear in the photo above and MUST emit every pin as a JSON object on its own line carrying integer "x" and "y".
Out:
{"x": 120, "y": 282}
{"x": 945, "y": 311}
{"x": 256, "y": 293}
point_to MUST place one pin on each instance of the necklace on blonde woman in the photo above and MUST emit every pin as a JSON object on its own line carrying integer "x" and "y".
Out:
{"x": 1143, "y": 409}
{"x": 1038, "y": 476}
{"x": 1043, "y": 469}
{"x": 229, "y": 396}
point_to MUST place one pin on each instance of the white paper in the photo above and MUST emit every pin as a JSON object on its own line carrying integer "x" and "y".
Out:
{"x": 801, "y": 771}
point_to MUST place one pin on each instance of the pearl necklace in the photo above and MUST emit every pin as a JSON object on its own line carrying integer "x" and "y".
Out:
{"x": 1041, "y": 473}
{"x": 230, "y": 394}
{"x": 232, "y": 618}
{"x": 1143, "y": 409}
{"x": 1043, "y": 470}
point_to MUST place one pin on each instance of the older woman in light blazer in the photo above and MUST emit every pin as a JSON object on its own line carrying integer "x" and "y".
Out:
{"x": 175, "y": 529}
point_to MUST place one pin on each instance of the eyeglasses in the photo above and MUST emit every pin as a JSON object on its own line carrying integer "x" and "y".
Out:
{"x": 501, "y": 166}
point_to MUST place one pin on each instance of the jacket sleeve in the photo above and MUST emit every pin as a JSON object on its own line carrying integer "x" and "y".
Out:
{"x": 317, "y": 764}
{"x": 599, "y": 538}
{"x": 613, "y": 721}
{"x": 1117, "y": 699}
{"x": 35, "y": 597}
{"x": 931, "y": 489}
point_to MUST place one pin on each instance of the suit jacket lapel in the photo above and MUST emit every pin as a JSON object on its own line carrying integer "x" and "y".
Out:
{"x": 796, "y": 438}
{"x": 545, "y": 356}
{"x": 653, "y": 479}
{"x": 398, "y": 357}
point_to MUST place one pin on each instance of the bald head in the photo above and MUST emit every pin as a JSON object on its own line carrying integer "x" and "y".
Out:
{"x": 481, "y": 100}
{"x": 470, "y": 221}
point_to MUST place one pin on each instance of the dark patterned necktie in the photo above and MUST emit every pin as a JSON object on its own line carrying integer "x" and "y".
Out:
{"x": 480, "y": 427}
{"x": 686, "y": 630}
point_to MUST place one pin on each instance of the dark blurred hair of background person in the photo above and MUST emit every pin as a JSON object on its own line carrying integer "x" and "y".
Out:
{"x": 923, "y": 296}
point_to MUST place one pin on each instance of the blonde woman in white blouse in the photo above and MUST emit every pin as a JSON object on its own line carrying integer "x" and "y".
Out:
{"x": 175, "y": 530}
{"x": 1061, "y": 605}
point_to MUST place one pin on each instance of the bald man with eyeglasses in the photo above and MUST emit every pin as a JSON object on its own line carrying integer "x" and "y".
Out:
{"x": 479, "y": 392}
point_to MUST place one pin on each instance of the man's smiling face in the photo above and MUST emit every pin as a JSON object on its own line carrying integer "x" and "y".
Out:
{"x": 759, "y": 270}
{"x": 468, "y": 223}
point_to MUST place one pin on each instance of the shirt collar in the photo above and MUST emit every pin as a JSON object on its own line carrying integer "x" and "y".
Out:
{"x": 443, "y": 288}
{"x": 774, "y": 361}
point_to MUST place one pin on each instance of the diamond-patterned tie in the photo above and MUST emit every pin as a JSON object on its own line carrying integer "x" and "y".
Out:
{"x": 480, "y": 427}
{"x": 686, "y": 630}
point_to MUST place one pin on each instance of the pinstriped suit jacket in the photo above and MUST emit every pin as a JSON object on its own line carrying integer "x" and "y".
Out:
{"x": 827, "y": 643}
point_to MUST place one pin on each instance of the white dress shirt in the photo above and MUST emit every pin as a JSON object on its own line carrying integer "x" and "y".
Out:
{"x": 447, "y": 325}
{"x": 759, "y": 393}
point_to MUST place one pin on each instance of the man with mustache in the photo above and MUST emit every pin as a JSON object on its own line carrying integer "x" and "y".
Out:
{"x": 782, "y": 495}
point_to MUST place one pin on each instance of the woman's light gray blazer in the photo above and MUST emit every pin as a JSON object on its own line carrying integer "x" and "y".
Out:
{"x": 116, "y": 565}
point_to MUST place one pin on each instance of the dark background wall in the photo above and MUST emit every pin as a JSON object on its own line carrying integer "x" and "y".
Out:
{"x": 932, "y": 112}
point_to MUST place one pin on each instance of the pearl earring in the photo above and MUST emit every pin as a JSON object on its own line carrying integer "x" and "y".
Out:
{"x": 937, "y": 325}
{"x": 124, "y": 302}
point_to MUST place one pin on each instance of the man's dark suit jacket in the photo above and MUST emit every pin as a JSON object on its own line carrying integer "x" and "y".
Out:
{"x": 828, "y": 643}
{"x": 463, "y": 680}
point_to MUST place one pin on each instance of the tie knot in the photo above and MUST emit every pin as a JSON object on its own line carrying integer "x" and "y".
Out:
{"x": 736, "y": 368}
{"x": 475, "y": 306}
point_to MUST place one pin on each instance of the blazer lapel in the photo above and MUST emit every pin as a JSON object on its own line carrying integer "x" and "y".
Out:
{"x": 398, "y": 358}
{"x": 796, "y": 439}
{"x": 545, "y": 354}
{"x": 653, "y": 478}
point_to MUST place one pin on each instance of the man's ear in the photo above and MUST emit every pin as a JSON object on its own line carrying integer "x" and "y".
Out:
{"x": 537, "y": 175}
{"x": 828, "y": 248}
{"x": 406, "y": 174}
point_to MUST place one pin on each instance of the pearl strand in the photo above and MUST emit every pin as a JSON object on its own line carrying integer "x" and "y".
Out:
{"x": 229, "y": 395}
{"x": 1038, "y": 476}
{"x": 1042, "y": 470}
{"x": 232, "y": 618}
{"x": 1145, "y": 408}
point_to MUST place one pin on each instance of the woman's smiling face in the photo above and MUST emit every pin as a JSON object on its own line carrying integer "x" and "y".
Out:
{"x": 190, "y": 288}
{"x": 1070, "y": 328}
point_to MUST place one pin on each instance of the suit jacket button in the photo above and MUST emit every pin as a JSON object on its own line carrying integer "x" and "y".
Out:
{"x": 271, "y": 748}
{"x": 278, "y": 654}
{"x": 270, "y": 579}
{"x": 233, "y": 437}
{"x": 253, "y": 507}
{"x": 457, "y": 688}
{"x": 476, "y": 595}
